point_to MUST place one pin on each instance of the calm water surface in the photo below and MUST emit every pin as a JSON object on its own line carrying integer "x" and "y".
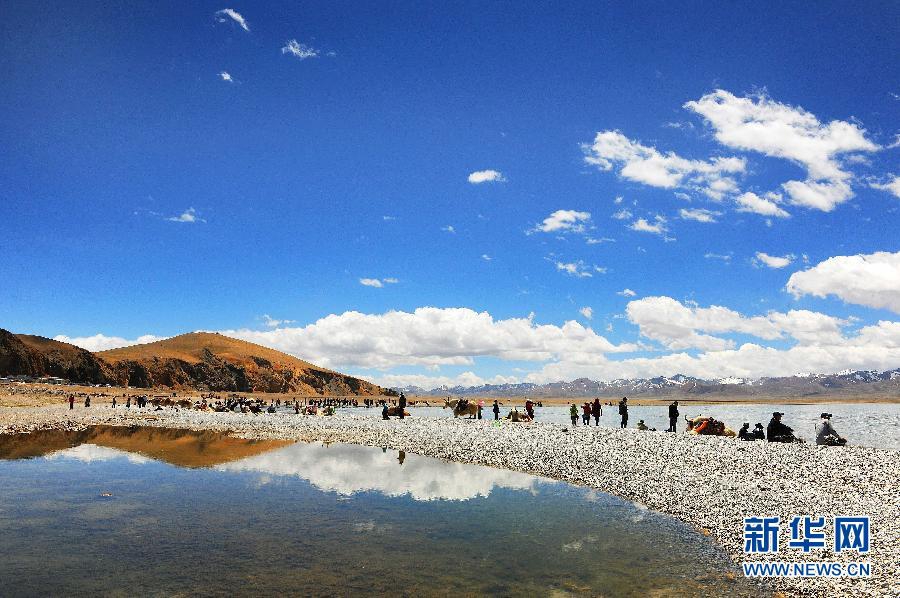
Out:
{"x": 206, "y": 514}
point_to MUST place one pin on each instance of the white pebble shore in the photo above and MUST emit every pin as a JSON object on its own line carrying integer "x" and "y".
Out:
{"x": 711, "y": 483}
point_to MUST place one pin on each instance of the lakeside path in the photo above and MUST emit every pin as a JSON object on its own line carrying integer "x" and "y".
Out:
{"x": 711, "y": 483}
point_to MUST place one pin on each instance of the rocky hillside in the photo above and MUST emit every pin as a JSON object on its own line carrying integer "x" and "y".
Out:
{"x": 35, "y": 356}
{"x": 210, "y": 361}
{"x": 196, "y": 361}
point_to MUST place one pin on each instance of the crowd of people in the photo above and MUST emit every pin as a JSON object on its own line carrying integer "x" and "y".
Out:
{"x": 775, "y": 431}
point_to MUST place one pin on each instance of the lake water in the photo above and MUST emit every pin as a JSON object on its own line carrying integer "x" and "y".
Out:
{"x": 131, "y": 511}
{"x": 865, "y": 424}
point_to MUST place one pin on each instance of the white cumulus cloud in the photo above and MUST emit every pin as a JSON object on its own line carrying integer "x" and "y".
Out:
{"x": 765, "y": 206}
{"x": 647, "y": 165}
{"x": 486, "y": 176}
{"x": 772, "y": 261}
{"x": 577, "y": 269}
{"x": 698, "y": 214}
{"x": 565, "y": 221}
{"x": 871, "y": 280}
{"x": 679, "y": 326}
{"x": 657, "y": 227}
{"x": 429, "y": 336}
{"x": 779, "y": 130}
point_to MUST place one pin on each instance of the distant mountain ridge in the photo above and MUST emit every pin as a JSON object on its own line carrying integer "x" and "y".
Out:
{"x": 846, "y": 383}
{"x": 194, "y": 361}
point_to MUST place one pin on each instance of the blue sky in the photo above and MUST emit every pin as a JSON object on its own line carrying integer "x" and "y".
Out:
{"x": 170, "y": 167}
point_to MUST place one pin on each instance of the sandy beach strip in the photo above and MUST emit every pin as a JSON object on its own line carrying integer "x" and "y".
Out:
{"x": 711, "y": 483}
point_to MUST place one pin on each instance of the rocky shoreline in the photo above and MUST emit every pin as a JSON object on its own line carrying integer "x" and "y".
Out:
{"x": 711, "y": 483}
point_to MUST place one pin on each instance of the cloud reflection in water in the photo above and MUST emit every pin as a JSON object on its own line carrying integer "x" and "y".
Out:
{"x": 348, "y": 469}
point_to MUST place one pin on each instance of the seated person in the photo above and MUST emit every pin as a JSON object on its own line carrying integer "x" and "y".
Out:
{"x": 779, "y": 432}
{"x": 826, "y": 435}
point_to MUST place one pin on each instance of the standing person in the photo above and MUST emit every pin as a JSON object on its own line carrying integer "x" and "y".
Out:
{"x": 573, "y": 413}
{"x": 87, "y": 401}
{"x": 596, "y": 411}
{"x": 114, "y": 403}
{"x": 496, "y": 409}
{"x": 480, "y": 405}
{"x": 128, "y": 402}
{"x": 384, "y": 410}
{"x": 673, "y": 416}
{"x": 529, "y": 408}
{"x": 402, "y": 404}
{"x": 71, "y": 402}
{"x": 623, "y": 411}
{"x": 586, "y": 414}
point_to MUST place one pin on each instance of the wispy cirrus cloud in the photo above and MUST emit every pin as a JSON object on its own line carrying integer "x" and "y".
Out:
{"x": 891, "y": 185}
{"x": 298, "y": 50}
{"x": 189, "y": 216}
{"x": 377, "y": 282}
{"x": 226, "y": 14}
{"x": 271, "y": 322}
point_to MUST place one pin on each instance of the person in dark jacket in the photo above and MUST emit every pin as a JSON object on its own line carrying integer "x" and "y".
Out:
{"x": 596, "y": 411}
{"x": 673, "y": 416}
{"x": 402, "y": 404}
{"x": 496, "y": 409}
{"x": 745, "y": 434}
{"x": 758, "y": 432}
{"x": 623, "y": 411}
{"x": 384, "y": 410}
{"x": 777, "y": 431}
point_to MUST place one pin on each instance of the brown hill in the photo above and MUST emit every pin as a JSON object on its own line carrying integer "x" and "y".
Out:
{"x": 211, "y": 361}
{"x": 35, "y": 356}
{"x": 196, "y": 361}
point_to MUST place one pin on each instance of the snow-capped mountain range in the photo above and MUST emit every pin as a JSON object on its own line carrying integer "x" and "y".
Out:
{"x": 869, "y": 383}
